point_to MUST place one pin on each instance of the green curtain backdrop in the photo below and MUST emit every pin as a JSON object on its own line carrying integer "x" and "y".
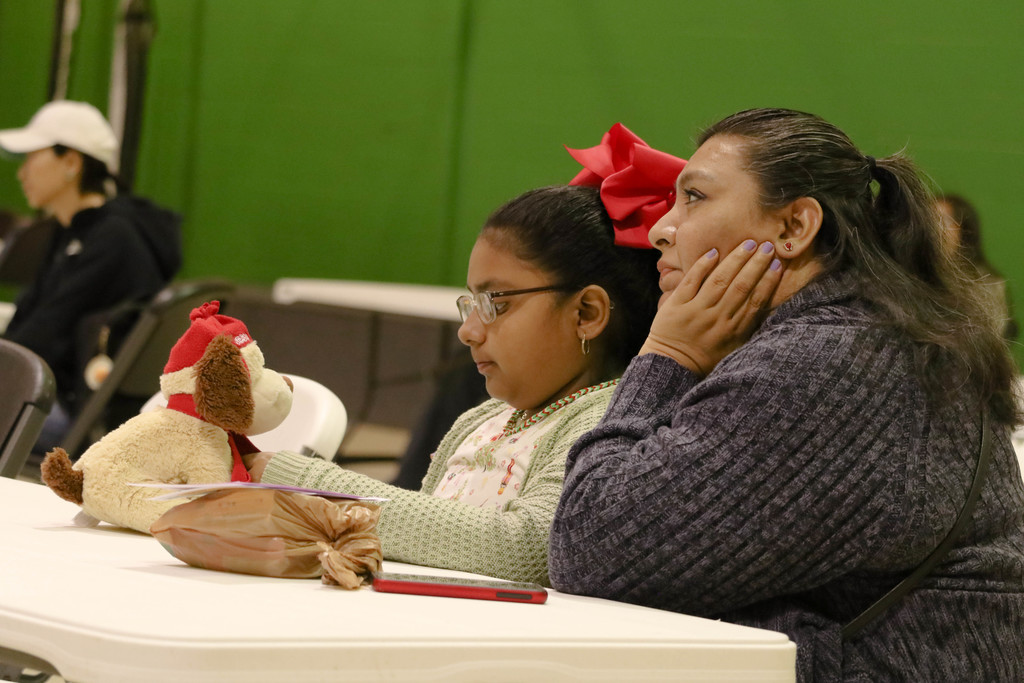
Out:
{"x": 369, "y": 140}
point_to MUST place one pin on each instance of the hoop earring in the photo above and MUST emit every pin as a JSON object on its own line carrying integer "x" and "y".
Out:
{"x": 585, "y": 345}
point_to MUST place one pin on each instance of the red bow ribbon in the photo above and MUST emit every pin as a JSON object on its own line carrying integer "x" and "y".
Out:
{"x": 637, "y": 182}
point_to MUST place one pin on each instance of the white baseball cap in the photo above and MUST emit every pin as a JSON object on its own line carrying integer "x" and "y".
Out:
{"x": 77, "y": 125}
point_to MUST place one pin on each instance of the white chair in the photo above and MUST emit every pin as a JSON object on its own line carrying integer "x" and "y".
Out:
{"x": 1018, "y": 445}
{"x": 315, "y": 426}
{"x": 1018, "y": 436}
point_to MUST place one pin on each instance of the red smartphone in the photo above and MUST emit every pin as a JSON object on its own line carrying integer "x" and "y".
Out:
{"x": 450, "y": 587}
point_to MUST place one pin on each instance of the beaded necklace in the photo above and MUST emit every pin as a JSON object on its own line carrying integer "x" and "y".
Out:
{"x": 514, "y": 427}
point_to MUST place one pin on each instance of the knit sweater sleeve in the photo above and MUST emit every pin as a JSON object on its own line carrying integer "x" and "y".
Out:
{"x": 783, "y": 469}
{"x": 510, "y": 542}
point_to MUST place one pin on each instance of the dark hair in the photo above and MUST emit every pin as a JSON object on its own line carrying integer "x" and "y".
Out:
{"x": 564, "y": 230}
{"x": 94, "y": 172}
{"x": 889, "y": 240}
{"x": 969, "y": 247}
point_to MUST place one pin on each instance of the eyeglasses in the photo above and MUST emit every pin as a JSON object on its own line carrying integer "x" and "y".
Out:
{"x": 483, "y": 302}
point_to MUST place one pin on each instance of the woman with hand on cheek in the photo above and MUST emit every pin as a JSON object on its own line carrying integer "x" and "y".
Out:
{"x": 805, "y": 421}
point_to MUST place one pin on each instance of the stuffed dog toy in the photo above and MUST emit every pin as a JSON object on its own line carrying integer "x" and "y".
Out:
{"x": 218, "y": 391}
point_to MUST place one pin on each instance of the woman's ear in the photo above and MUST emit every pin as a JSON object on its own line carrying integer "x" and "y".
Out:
{"x": 595, "y": 309}
{"x": 71, "y": 162}
{"x": 801, "y": 220}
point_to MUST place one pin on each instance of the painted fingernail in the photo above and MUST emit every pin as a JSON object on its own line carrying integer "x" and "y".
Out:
{"x": 711, "y": 254}
{"x": 749, "y": 245}
{"x": 776, "y": 264}
{"x": 767, "y": 247}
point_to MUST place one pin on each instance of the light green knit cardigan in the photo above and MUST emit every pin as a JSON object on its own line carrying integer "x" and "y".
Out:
{"x": 510, "y": 542}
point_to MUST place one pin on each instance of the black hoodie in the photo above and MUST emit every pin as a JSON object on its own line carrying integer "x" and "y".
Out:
{"x": 126, "y": 250}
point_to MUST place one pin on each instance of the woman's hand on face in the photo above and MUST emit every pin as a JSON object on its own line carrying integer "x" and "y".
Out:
{"x": 716, "y": 307}
{"x": 256, "y": 463}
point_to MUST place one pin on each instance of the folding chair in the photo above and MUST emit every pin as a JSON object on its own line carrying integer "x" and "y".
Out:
{"x": 26, "y": 399}
{"x": 139, "y": 362}
{"x": 315, "y": 426}
{"x": 24, "y": 247}
{"x": 1018, "y": 435}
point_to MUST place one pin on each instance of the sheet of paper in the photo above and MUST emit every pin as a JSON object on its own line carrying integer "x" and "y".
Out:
{"x": 191, "y": 490}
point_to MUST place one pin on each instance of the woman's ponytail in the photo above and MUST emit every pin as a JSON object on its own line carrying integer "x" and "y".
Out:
{"x": 880, "y": 225}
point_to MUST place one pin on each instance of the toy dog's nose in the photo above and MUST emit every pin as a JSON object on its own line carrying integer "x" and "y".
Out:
{"x": 288, "y": 381}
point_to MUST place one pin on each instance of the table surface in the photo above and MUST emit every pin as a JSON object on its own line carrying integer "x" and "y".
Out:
{"x": 108, "y": 605}
{"x": 424, "y": 301}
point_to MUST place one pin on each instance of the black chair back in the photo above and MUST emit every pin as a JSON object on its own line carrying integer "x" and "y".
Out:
{"x": 24, "y": 248}
{"x": 25, "y": 401}
{"x": 140, "y": 360}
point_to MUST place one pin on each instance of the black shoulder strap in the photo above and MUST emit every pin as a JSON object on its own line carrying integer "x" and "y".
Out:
{"x": 904, "y": 586}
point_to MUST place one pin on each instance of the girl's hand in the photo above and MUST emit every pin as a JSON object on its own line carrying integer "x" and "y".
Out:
{"x": 256, "y": 463}
{"x": 716, "y": 307}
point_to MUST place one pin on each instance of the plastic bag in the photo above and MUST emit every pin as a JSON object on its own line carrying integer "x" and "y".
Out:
{"x": 275, "y": 533}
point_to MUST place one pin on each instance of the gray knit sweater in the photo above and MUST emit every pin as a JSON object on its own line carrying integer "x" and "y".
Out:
{"x": 793, "y": 486}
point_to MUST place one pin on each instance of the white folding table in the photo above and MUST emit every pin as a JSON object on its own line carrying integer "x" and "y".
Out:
{"x": 107, "y": 605}
{"x": 424, "y": 301}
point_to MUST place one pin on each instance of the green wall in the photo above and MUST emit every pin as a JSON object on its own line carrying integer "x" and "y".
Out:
{"x": 368, "y": 140}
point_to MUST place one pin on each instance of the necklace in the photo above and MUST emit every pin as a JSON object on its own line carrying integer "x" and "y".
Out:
{"x": 513, "y": 426}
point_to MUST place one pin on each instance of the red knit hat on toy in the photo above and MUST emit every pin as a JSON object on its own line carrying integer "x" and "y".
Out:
{"x": 178, "y": 381}
{"x": 206, "y": 324}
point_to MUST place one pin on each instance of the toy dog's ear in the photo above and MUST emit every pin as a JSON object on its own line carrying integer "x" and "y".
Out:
{"x": 223, "y": 391}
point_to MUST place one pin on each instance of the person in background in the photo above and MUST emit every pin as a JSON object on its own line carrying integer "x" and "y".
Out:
{"x": 113, "y": 248}
{"x": 962, "y": 232}
{"x": 556, "y": 310}
{"x": 787, "y": 471}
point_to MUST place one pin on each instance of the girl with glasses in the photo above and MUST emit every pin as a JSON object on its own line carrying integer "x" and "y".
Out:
{"x": 555, "y": 312}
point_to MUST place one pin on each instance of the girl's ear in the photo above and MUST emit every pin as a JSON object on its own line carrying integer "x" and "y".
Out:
{"x": 801, "y": 219}
{"x": 594, "y": 307}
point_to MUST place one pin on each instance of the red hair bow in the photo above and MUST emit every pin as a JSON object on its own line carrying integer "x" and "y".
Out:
{"x": 637, "y": 182}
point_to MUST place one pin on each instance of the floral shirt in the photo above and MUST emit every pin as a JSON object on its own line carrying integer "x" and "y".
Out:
{"x": 489, "y": 466}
